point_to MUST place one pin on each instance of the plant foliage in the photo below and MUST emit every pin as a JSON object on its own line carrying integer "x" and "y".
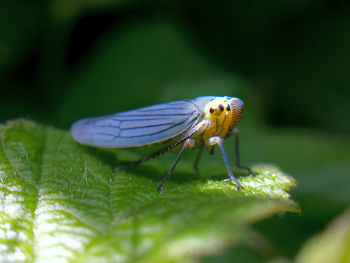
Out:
{"x": 62, "y": 201}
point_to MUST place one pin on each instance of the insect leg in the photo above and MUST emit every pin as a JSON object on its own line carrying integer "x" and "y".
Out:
{"x": 145, "y": 158}
{"x": 187, "y": 143}
{"x": 217, "y": 140}
{"x": 237, "y": 152}
{"x": 196, "y": 161}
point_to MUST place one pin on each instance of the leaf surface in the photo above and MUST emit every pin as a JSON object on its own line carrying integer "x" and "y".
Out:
{"x": 332, "y": 245}
{"x": 62, "y": 201}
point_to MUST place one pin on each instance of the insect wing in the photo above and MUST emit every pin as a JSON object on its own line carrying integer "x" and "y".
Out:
{"x": 202, "y": 101}
{"x": 138, "y": 127}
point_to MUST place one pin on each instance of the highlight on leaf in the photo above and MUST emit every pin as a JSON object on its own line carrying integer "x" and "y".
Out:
{"x": 62, "y": 201}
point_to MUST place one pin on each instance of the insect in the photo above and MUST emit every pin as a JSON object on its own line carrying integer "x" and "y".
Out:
{"x": 203, "y": 121}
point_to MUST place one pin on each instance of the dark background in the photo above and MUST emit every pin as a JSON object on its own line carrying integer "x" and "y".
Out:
{"x": 289, "y": 61}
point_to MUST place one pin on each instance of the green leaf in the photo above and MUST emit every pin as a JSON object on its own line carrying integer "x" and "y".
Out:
{"x": 62, "y": 201}
{"x": 332, "y": 245}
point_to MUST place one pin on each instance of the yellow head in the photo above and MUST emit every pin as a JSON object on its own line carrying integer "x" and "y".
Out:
{"x": 224, "y": 113}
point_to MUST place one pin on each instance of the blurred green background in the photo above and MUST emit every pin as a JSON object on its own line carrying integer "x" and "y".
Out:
{"x": 289, "y": 61}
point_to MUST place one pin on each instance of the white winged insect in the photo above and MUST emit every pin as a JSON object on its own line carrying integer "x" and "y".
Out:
{"x": 204, "y": 121}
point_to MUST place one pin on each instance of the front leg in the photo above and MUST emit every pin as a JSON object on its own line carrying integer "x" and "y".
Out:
{"x": 237, "y": 152}
{"x": 216, "y": 140}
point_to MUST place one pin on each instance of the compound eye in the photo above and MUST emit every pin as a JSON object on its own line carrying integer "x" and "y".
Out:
{"x": 221, "y": 107}
{"x": 228, "y": 108}
{"x": 211, "y": 110}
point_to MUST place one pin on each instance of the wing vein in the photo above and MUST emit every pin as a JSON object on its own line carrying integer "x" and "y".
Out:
{"x": 160, "y": 131}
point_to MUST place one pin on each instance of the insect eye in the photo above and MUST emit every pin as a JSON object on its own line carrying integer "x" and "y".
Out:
{"x": 228, "y": 108}
{"x": 221, "y": 107}
{"x": 211, "y": 110}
